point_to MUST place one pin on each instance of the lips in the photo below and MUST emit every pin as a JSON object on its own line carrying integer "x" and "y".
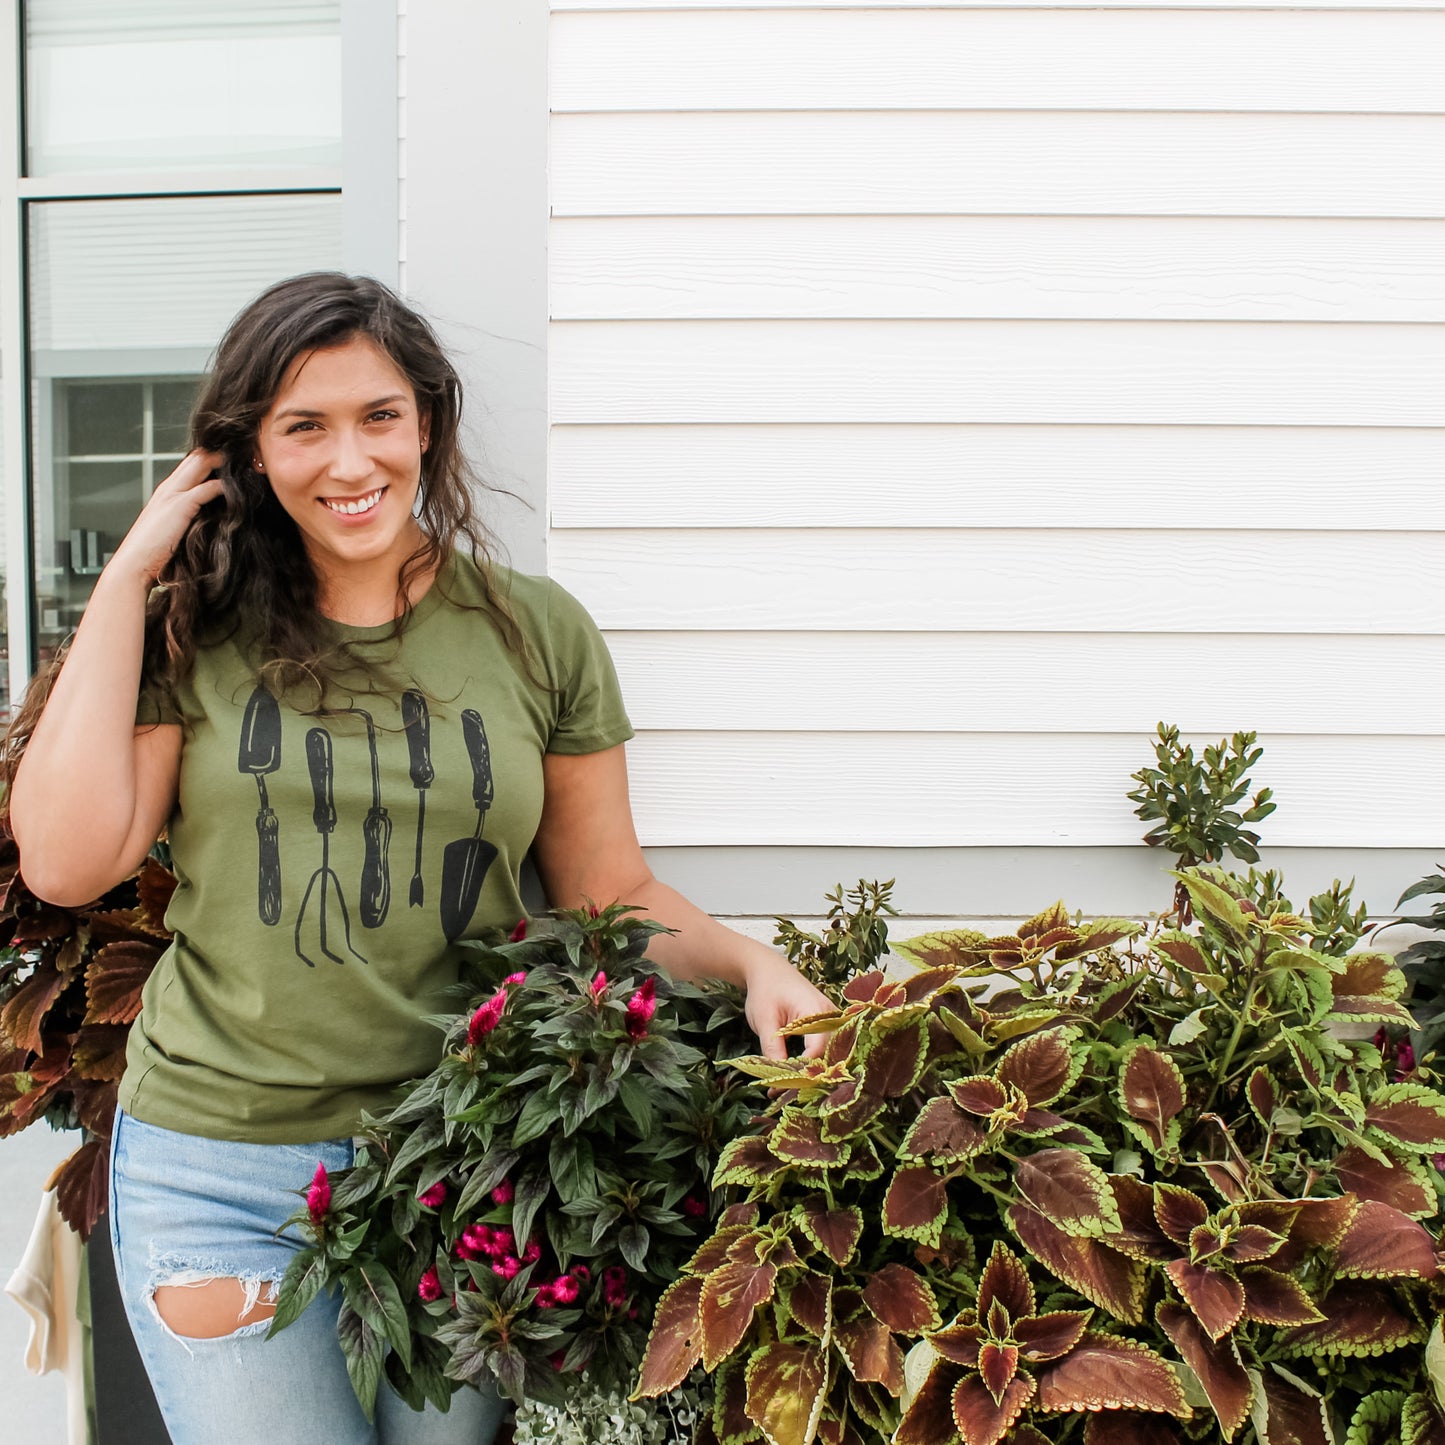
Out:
{"x": 353, "y": 506}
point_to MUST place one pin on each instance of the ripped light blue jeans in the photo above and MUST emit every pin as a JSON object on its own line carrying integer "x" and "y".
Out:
{"x": 184, "y": 1210}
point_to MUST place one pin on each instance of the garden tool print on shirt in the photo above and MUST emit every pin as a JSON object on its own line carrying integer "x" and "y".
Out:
{"x": 261, "y": 755}
{"x": 323, "y": 921}
{"x": 328, "y": 912}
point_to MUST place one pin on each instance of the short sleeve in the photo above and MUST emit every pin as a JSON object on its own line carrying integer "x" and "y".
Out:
{"x": 590, "y": 715}
{"x": 155, "y": 706}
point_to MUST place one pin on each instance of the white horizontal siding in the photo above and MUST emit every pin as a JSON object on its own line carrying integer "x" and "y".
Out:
{"x": 858, "y": 60}
{"x": 740, "y": 6}
{"x": 744, "y": 475}
{"x": 1011, "y": 267}
{"x": 991, "y": 371}
{"x": 952, "y": 790}
{"x": 941, "y": 581}
{"x": 998, "y": 162}
{"x": 943, "y": 394}
{"x": 971, "y": 682}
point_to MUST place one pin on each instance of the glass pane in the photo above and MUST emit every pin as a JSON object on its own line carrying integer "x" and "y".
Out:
{"x": 173, "y": 401}
{"x": 181, "y": 84}
{"x": 106, "y": 418}
{"x": 128, "y": 299}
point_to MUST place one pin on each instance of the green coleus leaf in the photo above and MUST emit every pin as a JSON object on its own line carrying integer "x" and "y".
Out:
{"x": 1421, "y": 1422}
{"x": 963, "y": 948}
{"x": 916, "y": 1205}
{"x": 1409, "y": 1117}
{"x": 1215, "y": 905}
{"x": 1376, "y": 1419}
{"x": 786, "y": 1383}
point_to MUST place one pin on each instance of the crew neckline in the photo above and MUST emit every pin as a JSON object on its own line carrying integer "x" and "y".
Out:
{"x": 423, "y": 608}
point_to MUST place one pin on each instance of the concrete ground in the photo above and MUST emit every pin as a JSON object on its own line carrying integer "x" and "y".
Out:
{"x": 34, "y": 1406}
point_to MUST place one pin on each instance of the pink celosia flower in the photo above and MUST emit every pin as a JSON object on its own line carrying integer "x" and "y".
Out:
{"x": 599, "y": 985}
{"x": 640, "y": 1009}
{"x": 533, "y": 1252}
{"x": 480, "y": 1239}
{"x": 507, "y": 1267}
{"x": 503, "y": 1193}
{"x": 565, "y": 1290}
{"x": 519, "y": 932}
{"x": 318, "y": 1196}
{"x": 487, "y": 1017}
{"x": 614, "y": 1286}
{"x": 593, "y": 911}
{"x": 545, "y": 1297}
{"x": 515, "y": 980}
{"x": 429, "y": 1287}
{"x": 504, "y": 1242}
{"x": 693, "y": 1207}
{"x": 581, "y": 1272}
{"x": 434, "y": 1197}
{"x": 1404, "y": 1058}
{"x": 558, "y": 1358}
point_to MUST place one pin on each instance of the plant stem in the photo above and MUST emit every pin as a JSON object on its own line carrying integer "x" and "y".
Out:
{"x": 1228, "y": 1058}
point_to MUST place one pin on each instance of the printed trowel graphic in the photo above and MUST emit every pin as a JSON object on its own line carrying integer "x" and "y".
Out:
{"x": 261, "y": 756}
{"x": 465, "y": 862}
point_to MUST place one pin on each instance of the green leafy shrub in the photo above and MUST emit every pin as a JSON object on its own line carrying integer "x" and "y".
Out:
{"x": 519, "y": 1210}
{"x": 1080, "y": 1183}
{"x": 1424, "y": 965}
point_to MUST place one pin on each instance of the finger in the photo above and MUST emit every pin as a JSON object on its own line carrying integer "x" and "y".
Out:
{"x": 813, "y": 1048}
{"x": 773, "y": 1045}
{"x": 195, "y": 467}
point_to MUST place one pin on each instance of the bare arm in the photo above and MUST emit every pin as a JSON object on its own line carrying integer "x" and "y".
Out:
{"x": 587, "y": 848}
{"x": 93, "y": 791}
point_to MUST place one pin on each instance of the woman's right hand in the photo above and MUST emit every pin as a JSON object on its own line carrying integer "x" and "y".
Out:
{"x": 165, "y": 518}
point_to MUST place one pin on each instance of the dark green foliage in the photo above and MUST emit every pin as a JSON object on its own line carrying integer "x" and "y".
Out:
{"x": 1424, "y": 965}
{"x": 853, "y": 940}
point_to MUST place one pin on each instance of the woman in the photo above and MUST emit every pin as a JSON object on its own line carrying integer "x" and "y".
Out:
{"x": 353, "y": 728}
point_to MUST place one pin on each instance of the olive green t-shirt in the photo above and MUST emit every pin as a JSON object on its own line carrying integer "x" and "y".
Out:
{"x": 328, "y": 862}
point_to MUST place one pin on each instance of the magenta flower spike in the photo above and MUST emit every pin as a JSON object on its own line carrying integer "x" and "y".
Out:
{"x": 318, "y": 1196}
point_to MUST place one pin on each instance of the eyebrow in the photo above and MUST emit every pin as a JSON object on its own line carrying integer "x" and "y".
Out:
{"x": 314, "y": 415}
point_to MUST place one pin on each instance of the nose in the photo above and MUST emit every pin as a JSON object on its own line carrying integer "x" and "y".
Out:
{"x": 351, "y": 460}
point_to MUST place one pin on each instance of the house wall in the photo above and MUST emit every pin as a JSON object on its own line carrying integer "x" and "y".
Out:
{"x": 940, "y": 396}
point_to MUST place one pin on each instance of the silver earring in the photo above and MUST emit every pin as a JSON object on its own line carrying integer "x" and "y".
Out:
{"x": 259, "y": 465}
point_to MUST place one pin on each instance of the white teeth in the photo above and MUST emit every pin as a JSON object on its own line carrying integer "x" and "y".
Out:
{"x": 352, "y": 509}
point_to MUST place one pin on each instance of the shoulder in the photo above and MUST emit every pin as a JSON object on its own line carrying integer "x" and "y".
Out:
{"x": 546, "y": 613}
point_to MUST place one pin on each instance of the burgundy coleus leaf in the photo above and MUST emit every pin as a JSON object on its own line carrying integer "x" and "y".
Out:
{"x": 715, "y": 1251}
{"x": 960, "y": 1341}
{"x": 1053, "y": 919}
{"x": 1046, "y": 1337}
{"x": 981, "y": 1419}
{"x": 1109, "y": 1373}
{"x": 154, "y": 886}
{"x": 1216, "y": 1299}
{"x": 839, "y": 1044}
{"x": 902, "y": 1299}
{"x": 730, "y": 1420}
{"x": 1421, "y": 1422}
{"x": 745, "y": 1213}
{"x": 810, "y": 1302}
{"x": 983, "y": 1096}
{"x": 997, "y": 1366}
{"x": 1272, "y": 1298}
{"x": 944, "y": 1133}
{"x": 798, "y": 1139}
{"x": 746, "y": 1161}
{"x": 1005, "y": 1281}
{"x": 674, "y": 1346}
{"x": 1180, "y": 948}
{"x": 1128, "y": 1427}
{"x": 1320, "y": 1223}
{"x": 865, "y": 986}
{"x": 100, "y": 1051}
{"x": 1151, "y": 1090}
{"x": 891, "y": 1067}
{"x": 23, "y": 1017}
{"x": 929, "y": 1419}
{"x": 1217, "y": 1363}
{"x": 1115, "y": 998}
{"x": 729, "y": 1297}
{"x": 47, "y": 923}
{"x": 1394, "y": 1183}
{"x": 1250, "y": 1243}
{"x": 1294, "y": 1417}
{"x": 835, "y": 1231}
{"x": 1070, "y": 1192}
{"x": 1409, "y": 1116}
{"x": 1102, "y": 1275}
{"x": 1365, "y": 980}
{"x": 1362, "y": 1317}
{"x": 1179, "y": 1212}
{"x": 81, "y": 1185}
{"x": 871, "y": 1352}
{"x": 915, "y": 1205}
{"x": 1278, "y": 1215}
{"x": 786, "y": 1384}
{"x": 1139, "y": 1235}
{"x": 1263, "y": 1095}
{"x": 1041, "y": 1066}
{"x": 114, "y": 980}
{"x": 1382, "y": 1243}
{"x": 847, "y": 1109}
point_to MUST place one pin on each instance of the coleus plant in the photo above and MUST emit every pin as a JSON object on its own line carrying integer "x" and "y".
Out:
{"x": 519, "y": 1210}
{"x": 70, "y": 986}
{"x": 1080, "y": 1183}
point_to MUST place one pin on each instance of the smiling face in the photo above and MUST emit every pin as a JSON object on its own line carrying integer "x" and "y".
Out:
{"x": 341, "y": 447}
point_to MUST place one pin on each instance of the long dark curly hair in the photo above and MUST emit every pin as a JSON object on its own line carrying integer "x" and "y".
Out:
{"x": 243, "y": 563}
